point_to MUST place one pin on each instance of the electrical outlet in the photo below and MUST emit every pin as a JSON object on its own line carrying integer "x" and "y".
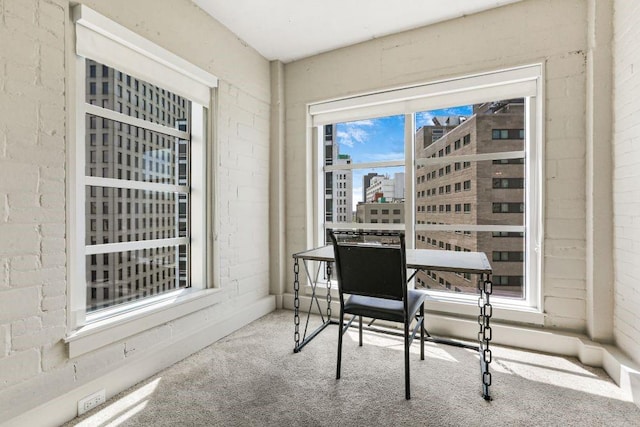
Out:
{"x": 91, "y": 401}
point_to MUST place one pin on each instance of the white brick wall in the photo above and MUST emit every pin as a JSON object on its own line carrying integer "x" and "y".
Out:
{"x": 521, "y": 33}
{"x": 626, "y": 187}
{"x": 32, "y": 145}
{"x": 35, "y": 50}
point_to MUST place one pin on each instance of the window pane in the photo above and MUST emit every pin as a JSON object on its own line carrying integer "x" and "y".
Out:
{"x": 136, "y": 154}
{"x": 351, "y": 195}
{"x": 490, "y": 127}
{"x": 482, "y": 193}
{"x": 128, "y": 276}
{"x": 504, "y": 250}
{"x": 136, "y": 98}
{"x": 471, "y": 193}
{"x": 364, "y": 141}
{"x": 358, "y": 195}
{"x": 129, "y": 215}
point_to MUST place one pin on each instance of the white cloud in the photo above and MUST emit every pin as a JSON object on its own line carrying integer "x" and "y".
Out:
{"x": 354, "y": 132}
{"x": 360, "y": 123}
{"x": 425, "y": 118}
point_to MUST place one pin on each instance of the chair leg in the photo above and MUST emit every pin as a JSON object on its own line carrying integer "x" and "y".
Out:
{"x": 407, "y": 386}
{"x": 360, "y": 330}
{"x": 340, "y": 327}
{"x": 422, "y": 332}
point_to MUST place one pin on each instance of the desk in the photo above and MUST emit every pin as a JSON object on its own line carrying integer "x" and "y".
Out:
{"x": 417, "y": 259}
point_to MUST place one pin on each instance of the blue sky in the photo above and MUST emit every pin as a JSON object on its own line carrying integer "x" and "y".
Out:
{"x": 382, "y": 139}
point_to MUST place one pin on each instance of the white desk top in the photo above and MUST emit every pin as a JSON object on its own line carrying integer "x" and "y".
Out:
{"x": 420, "y": 259}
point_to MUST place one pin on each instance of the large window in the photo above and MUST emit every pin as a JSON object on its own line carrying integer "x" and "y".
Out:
{"x": 140, "y": 178}
{"x": 454, "y": 164}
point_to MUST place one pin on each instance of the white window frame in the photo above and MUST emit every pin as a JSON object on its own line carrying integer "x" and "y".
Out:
{"x": 111, "y": 44}
{"x": 519, "y": 82}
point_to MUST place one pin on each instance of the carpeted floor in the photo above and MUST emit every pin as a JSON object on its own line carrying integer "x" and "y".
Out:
{"x": 253, "y": 378}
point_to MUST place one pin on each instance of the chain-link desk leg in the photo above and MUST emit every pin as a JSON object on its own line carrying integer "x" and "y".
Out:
{"x": 301, "y": 342}
{"x": 328, "y": 292}
{"x": 484, "y": 336}
{"x": 296, "y": 305}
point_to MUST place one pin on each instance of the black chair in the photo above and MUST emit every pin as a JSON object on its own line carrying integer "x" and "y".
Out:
{"x": 374, "y": 275}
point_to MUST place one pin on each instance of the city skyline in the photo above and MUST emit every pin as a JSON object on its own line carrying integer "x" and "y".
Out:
{"x": 466, "y": 193}
{"x": 382, "y": 139}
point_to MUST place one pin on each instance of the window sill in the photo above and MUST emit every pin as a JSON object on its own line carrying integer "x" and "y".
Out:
{"x": 468, "y": 307}
{"x": 462, "y": 306}
{"x": 116, "y": 326}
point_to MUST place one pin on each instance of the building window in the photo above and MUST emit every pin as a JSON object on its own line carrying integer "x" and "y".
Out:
{"x": 508, "y": 208}
{"x": 507, "y": 134}
{"x": 157, "y": 185}
{"x": 508, "y": 256}
{"x": 508, "y": 183}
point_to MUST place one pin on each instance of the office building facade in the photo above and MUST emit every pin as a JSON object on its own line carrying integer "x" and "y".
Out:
{"x": 469, "y": 193}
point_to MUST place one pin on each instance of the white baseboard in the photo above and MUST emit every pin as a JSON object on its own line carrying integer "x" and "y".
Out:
{"x": 143, "y": 366}
{"x": 618, "y": 366}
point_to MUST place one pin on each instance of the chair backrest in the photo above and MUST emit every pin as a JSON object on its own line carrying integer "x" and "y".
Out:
{"x": 370, "y": 269}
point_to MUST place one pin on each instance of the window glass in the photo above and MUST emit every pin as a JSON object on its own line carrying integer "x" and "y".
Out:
{"x": 137, "y": 154}
{"x": 132, "y": 196}
{"x": 485, "y": 192}
{"x": 130, "y": 215}
{"x": 128, "y": 276}
{"x": 359, "y": 193}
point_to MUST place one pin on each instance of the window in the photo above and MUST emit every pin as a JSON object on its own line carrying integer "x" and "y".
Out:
{"x": 147, "y": 230}
{"x": 508, "y": 208}
{"x": 508, "y": 256}
{"x": 507, "y": 134}
{"x": 508, "y": 183}
{"x": 449, "y": 145}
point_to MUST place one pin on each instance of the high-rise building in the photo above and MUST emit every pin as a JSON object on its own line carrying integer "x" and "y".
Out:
{"x": 338, "y": 183}
{"x": 366, "y": 181}
{"x": 474, "y": 193}
{"x": 124, "y": 152}
{"x": 429, "y": 134}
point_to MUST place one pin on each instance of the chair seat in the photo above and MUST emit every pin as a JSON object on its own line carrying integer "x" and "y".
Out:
{"x": 384, "y": 309}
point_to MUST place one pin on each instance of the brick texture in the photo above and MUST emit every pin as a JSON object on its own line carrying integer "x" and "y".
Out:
{"x": 626, "y": 187}
{"x": 35, "y": 81}
{"x": 32, "y": 147}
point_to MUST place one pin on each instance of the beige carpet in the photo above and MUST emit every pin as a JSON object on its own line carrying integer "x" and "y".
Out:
{"x": 252, "y": 378}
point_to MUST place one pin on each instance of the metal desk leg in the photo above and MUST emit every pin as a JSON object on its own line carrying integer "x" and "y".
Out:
{"x": 484, "y": 336}
{"x": 296, "y": 305}
{"x": 314, "y": 298}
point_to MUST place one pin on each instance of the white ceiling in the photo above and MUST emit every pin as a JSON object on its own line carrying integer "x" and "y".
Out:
{"x": 292, "y": 29}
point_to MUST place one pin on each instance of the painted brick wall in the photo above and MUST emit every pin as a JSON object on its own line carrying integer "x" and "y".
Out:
{"x": 33, "y": 123}
{"x": 522, "y": 33}
{"x": 626, "y": 182}
{"x": 36, "y": 50}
